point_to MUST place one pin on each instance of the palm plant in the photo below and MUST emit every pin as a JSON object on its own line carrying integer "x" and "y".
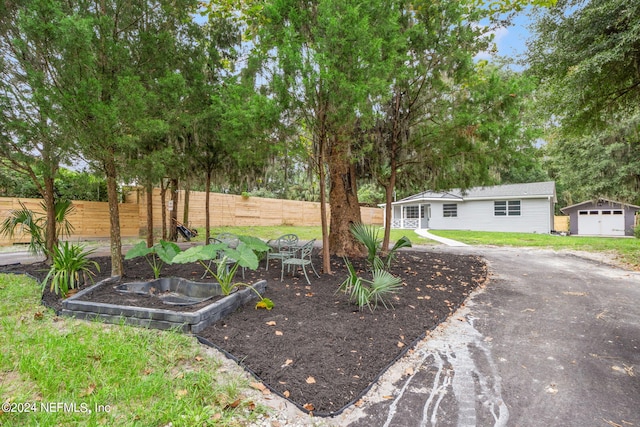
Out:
{"x": 368, "y": 293}
{"x": 369, "y": 236}
{"x": 25, "y": 220}
{"x": 70, "y": 268}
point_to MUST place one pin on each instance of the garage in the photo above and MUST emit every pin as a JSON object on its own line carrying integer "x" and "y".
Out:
{"x": 602, "y": 217}
{"x": 608, "y": 222}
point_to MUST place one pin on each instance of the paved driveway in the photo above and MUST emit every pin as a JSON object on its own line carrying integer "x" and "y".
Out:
{"x": 552, "y": 340}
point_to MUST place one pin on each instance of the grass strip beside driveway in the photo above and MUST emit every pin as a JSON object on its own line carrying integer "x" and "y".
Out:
{"x": 626, "y": 249}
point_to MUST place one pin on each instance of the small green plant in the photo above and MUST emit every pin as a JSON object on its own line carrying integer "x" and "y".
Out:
{"x": 245, "y": 255}
{"x": 369, "y": 236}
{"x": 157, "y": 256}
{"x": 368, "y": 293}
{"x": 636, "y": 231}
{"x": 70, "y": 268}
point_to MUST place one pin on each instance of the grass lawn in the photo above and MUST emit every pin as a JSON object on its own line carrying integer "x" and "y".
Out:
{"x": 61, "y": 371}
{"x": 627, "y": 249}
{"x": 304, "y": 233}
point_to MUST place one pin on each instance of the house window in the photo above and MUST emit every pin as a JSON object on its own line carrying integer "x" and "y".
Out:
{"x": 413, "y": 212}
{"x": 450, "y": 210}
{"x": 506, "y": 208}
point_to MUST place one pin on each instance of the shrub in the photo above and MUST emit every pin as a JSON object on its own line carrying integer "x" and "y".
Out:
{"x": 368, "y": 293}
{"x": 70, "y": 268}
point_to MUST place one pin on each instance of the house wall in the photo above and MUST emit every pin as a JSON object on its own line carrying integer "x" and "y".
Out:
{"x": 478, "y": 215}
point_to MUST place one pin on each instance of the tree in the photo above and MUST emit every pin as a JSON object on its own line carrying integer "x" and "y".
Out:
{"x": 31, "y": 141}
{"x": 330, "y": 59}
{"x": 586, "y": 55}
{"x": 103, "y": 48}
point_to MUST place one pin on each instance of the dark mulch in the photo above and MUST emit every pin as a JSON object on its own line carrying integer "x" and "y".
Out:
{"x": 315, "y": 347}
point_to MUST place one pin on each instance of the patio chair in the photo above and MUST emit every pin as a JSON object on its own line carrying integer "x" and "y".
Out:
{"x": 300, "y": 258}
{"x": 283, "y": 248}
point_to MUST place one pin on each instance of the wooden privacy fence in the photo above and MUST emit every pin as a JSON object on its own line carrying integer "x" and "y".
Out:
{"x": 232, "y": 210}
{"x": 561, "y": 223}
{"x": 91, "y": 219}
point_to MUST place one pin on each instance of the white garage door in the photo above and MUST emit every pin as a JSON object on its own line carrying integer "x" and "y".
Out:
{"x": 601, "y": 223}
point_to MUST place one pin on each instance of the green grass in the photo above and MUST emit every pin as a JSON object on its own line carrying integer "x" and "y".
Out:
{"x": 304, "y": 233}
{"x": 627, "y": 249}
{"x": 135, "y": 376}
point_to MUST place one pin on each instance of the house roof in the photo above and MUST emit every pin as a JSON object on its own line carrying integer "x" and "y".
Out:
{"x": 590, "y": 202}
{"x": 528, "y": 190}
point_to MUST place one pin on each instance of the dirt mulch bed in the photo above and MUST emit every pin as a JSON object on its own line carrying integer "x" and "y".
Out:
{"x": 315, "y": 347}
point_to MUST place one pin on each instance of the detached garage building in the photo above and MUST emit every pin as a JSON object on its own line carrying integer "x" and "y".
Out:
{"x": 601, "y": 218}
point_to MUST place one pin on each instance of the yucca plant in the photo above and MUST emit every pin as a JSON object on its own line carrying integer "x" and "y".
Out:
{"x": 368, "y": 293}
{"x": 70, "y": 268}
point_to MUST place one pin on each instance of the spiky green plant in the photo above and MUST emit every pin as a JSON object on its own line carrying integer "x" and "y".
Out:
{"x": 369, "y": 236}
{"x": 70, "y": 268}
{"x": 368, "y": 293}
{"x": 22, "y": 220}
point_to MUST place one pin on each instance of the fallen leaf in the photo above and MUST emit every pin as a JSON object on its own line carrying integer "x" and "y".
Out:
{"x": 286, "y": 394}
{"x": 288, "y": 362}
{"x": 279, "y": 333}
{"x": 359, "y": 403}
{"x": 311, "y": 380}
{"x": 233, "y": 404}
{"x": 38, "y": 315}
{"x": 181, "y": 393}
{"x": 309, "y": 407}
{"x": 271, "y": 323}
{"x": 199, "y": 358}
{"x": 408, "y": 371}
{"x": 400, "y": 344}
{"x": 388, "y": 397}
{"x": 258, "y": 386}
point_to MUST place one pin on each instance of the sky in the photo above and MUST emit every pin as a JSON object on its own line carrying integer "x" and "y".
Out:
{"x": 511, "y": 40}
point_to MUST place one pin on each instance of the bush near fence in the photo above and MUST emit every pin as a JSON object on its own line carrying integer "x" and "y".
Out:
{"x": 91, "y": 219}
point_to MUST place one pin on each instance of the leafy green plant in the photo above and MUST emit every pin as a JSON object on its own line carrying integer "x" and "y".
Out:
{"x": 70, "y": 268}
{"x": 227, "y": 261}
{"x": 157, "y": 256}
{"x": 369, "y": 236}
{"x": 368, "y": 293}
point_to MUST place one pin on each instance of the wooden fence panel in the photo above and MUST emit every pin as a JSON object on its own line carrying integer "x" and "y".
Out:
{"x": 561, "y": 223}
{"x": 91, "y": 219}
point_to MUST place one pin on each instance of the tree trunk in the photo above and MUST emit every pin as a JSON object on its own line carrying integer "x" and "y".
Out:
{"x": 206, "y": 208}
{"x": 387, "y": 208}
{"x": 173, "y": 222}
{"x": 343, "y": 199}
{"x": 185, "y": 212}
{"x": 114, "y": 217}
{"x": 163, "y": 207}
{"x": 50, "y": 234}
{"x": 149, "y": 200}
{"x": 326, "y": 255}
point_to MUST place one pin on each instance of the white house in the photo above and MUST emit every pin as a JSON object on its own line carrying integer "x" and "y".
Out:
{"x": 527, "y": 208}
